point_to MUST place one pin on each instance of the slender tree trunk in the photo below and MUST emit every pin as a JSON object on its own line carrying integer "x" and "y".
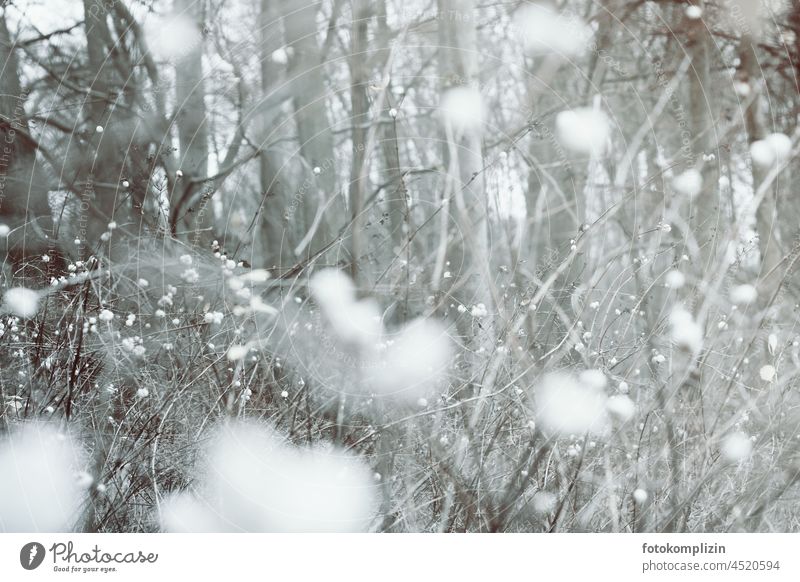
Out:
{"x": 23, "y": 188}
{"x": 318, "y": 187}
{"x": 769, "y": 239}
{"x": 555, "y": 209}
{"x": 706, "y": 212}
{"x": 98, "y": 37}
{"x": 360, "y": 117}
{"x": 12, "y": 105}
{"x": 192, "y": 127}
{"x": 396, "y": 193}
{"x": 100, "y": 166}
{"x": 17, "y": 153}
{"x": 794, "y": 24}
{"x": 275, "y": 240}
{"x": 463, "y": 154}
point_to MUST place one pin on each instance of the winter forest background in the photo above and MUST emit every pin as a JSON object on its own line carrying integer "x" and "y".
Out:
{"x": 382, "y": 265}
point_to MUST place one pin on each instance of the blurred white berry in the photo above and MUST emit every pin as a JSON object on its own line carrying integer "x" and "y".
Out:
{"x": 767, "y": 373}
{"x": 743, "y": 294}
{"x": 675, "y": 279}
{"x": 479, "y": 311}
{"x": 462, "y": 109}
{"x": 685, "y": 331}
{"x": 214, "y": 317}
{"x": 741, "y": 88}
{"x": 280, "y": 56}
{"x": 237, "y": 352}
{"x": 84, "y": 480}
{"x": 736, "y": 446}
{"x": 773, "y": 149}
{"x": 621, "y": 407}
{"x": 694, "y": 12}
{"x": 583, "y": 130}
{"x": 22, "y": 302}
{"x": 689, "y": 183}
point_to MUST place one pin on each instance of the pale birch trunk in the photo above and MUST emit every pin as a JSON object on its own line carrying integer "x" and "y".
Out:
{"x": 318, "y": 189}
{"x": 706, "y": 213}
{"x": 769, "y": 239}
{"x": 23, "y": 193}
{"x": 198, "y": 219}
{"x": 359, "y": 118}
{"x": 465, "y": 195}
{"x": 274, "y": 239}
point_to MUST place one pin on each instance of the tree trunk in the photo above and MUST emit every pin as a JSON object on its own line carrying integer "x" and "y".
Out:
{"x": 706, "y": 212}
{"x": 360, "y": 117}
{"x": 769, "y": 239}
{"x": 318, "y": 187}
{"x": 192, "y": 127}
{"x": 463, "y": 156}
{"x": 101, "y": 166}
{"x": 274, "y": 238}
{"x": 23, "y": 196}
{"x": 12, "y": 106}
{"x": 396, "y": 192}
